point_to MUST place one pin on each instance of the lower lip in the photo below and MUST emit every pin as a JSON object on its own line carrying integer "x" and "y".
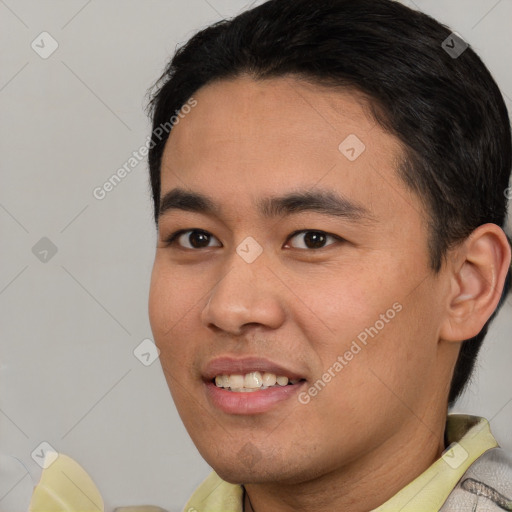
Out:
{"x": 252, "y": 402}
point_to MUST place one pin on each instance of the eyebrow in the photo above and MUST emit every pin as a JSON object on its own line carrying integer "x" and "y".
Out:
{"x": 325, "y": 202}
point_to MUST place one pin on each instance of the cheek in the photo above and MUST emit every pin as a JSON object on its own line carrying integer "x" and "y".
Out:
{"x": 170, "y": 301}
{"x": 174, "y": 307}
{"x": 160, "y": 304}
{"x": 382, "y": 331}
{"x": 164, "y": 317}
{"x": 399, "y": 361}
{"x": 343, "y": 305}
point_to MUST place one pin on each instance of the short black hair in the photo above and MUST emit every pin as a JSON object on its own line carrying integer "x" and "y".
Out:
{"x": 446, "y": 109}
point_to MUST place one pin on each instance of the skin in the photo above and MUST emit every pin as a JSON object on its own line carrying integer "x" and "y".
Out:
{"x": 379, "y": 423}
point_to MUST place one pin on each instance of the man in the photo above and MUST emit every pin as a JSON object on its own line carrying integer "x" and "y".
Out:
{"x": 330, "y": 204}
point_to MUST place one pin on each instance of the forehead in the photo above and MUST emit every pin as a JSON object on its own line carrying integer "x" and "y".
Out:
{"x": 284, "y": 109}
{"x": 262, "y": 135}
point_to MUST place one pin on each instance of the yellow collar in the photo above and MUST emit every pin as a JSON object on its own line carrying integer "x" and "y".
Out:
{"x": 468, "y": 436}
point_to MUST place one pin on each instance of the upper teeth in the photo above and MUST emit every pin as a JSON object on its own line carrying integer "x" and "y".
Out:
{"x": 251, "y": 381}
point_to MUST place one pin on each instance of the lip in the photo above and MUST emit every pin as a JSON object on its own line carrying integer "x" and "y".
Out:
{"x": 254, "y": 402}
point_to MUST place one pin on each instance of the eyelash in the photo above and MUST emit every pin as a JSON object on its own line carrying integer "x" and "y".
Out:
{"x": 172, "y": 239}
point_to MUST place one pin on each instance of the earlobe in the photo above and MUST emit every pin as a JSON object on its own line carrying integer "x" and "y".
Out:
{"x": 478, "y": 277}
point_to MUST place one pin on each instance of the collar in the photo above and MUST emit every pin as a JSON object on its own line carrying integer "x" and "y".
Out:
{"x": 468, "y": 437}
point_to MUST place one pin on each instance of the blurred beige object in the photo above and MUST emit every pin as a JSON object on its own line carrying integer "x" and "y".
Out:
{"x": 65, "y": 487}
{"x": 141, "y": 508}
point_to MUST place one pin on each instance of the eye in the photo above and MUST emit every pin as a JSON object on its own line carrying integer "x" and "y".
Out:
{"x": 314, "y": 239}
{"x": 197, "y": 238}
{"x": 200, "y": 239}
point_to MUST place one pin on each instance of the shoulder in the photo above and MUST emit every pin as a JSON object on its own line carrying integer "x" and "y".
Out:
{"x": 485, "y": 486}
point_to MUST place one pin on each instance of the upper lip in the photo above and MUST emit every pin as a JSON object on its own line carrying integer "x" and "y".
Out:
{"x": 228, "y": 365}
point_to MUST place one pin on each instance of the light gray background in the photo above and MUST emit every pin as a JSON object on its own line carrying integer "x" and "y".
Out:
{"x": 69, "y": 326}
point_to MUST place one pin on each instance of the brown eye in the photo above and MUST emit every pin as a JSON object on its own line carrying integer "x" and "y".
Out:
{"x": 314, "y": 239}
{"x": 195, "y": 238}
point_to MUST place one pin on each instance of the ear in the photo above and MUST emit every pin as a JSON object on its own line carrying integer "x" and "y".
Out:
{"x": 478, "y": 271}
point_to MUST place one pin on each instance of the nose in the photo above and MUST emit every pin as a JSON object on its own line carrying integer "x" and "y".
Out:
{"x": 246, "y": 294}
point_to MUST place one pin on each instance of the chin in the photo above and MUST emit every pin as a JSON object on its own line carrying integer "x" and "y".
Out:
{"x": 235, "y": 474}
{"x": 245, "y": 465}
{"x": 243, "y": 470}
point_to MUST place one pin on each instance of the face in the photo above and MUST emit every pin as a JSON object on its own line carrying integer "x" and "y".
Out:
{"x": 305, "y": 262}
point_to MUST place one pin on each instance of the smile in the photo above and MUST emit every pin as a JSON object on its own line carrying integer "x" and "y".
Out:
{"x": 252, "y": 381}
{"x": 250, "y": 385}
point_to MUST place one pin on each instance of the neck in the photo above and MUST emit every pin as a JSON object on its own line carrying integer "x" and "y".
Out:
{"x": 362, "y": 485}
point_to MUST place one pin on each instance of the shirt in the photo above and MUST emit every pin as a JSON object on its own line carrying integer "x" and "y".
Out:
{"x": 468, "y": 438}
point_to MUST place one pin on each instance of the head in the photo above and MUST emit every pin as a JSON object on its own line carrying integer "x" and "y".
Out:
{"x": 395, "y": 157}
